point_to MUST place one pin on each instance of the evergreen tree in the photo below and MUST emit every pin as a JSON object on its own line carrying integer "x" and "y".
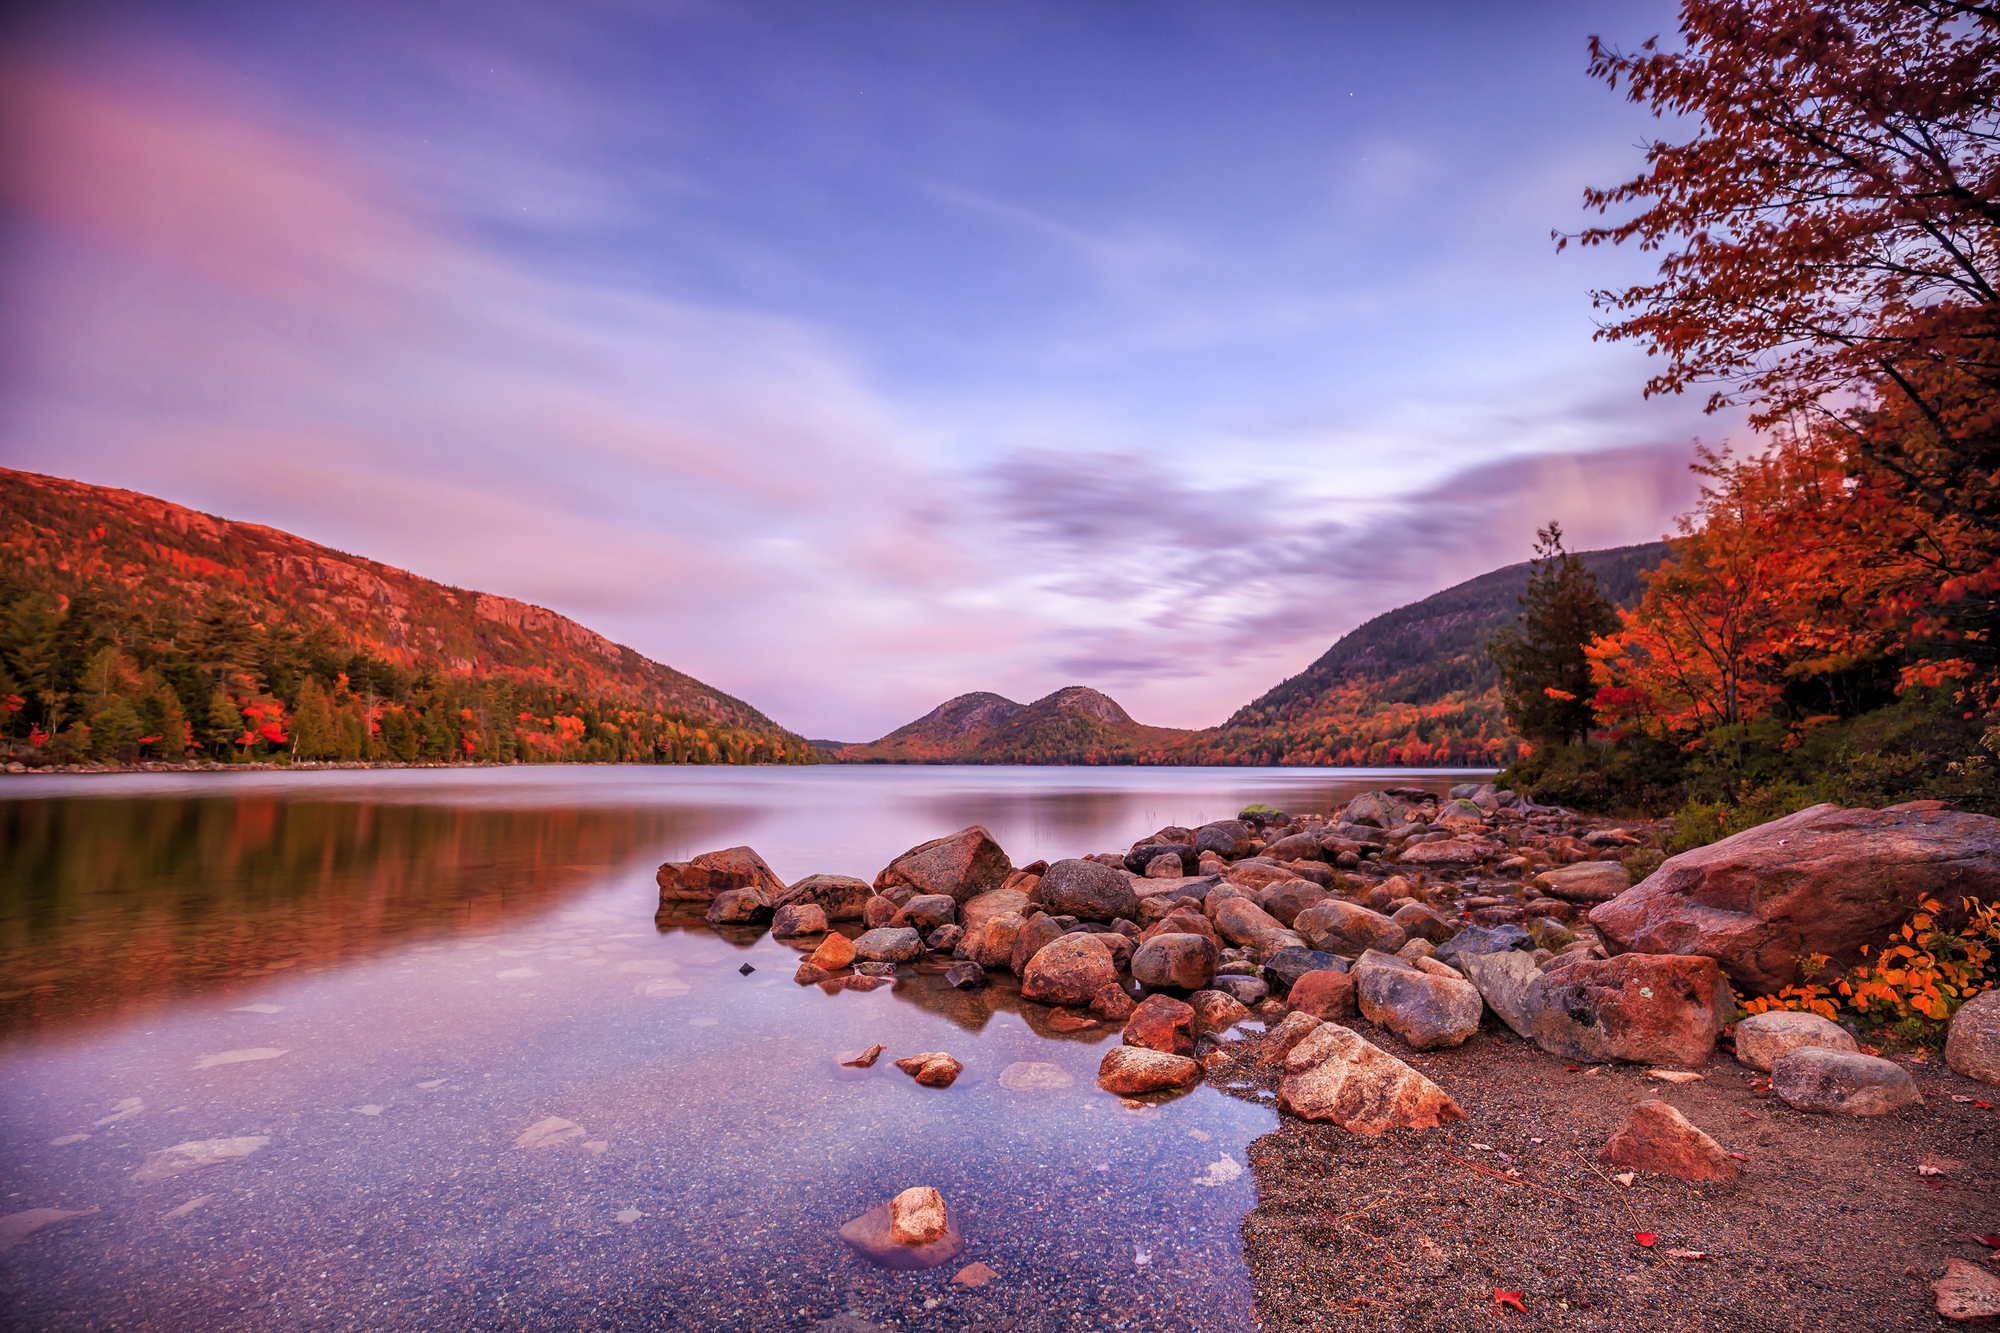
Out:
{"x": 223, "y": 726}
{"x": 313, "y": 735}
{"x": 1545, "y": 677}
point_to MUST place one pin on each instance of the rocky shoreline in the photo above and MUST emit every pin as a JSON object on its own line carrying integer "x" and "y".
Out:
{"x": 1412, "y": 971}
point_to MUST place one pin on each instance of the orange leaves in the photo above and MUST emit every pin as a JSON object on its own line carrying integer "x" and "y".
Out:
{"x": 1512, "y": 1298}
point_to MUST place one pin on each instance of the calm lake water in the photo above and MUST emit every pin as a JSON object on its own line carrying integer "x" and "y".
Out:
{"x": 390, "y": 977}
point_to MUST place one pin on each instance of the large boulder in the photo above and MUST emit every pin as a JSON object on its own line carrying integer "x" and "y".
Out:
{"x": 1656, "y": 1137}
{"x": 1335, "y": 1075}
{"x": 1973, "y": 1044}
{"x": 1088, "y": 891}
{"x": 1826, "y": 880}
{"x": 1040, "y": 931}
{"x": 926, "y": 912}
{"x": 1375, "y": 809}
{"x": 1162, "y": 1023}
{"x": 977, "y": 913}
{"x": 889, "y": 944}
{"x": 841, "y": 897}
{"x": 1342, "y": 927}
{"x": 1505, "y": 980}
{"x": 1241, "y": 921}
{"x": 796, "y": 919}
{"x": 1287, "y": 899}
{"x": 1284, "y": 967}
{"x": 1328, "y": 996}
{"x": 1132, "y": 1070}
{"x": 1813, "y": 1078}
{"x": 1297, "y": 847}
{"x": 711, "y": 873}
{"x": 964, "y": 865}
{"x": 1484, "y": 939}
{"x": 1762, "y": 1038}
{"x": 993, "y": 946}
{"x": 1586, "y": 881}
{"x": 1227, "y": 838}
{"x": 1069, "y": 971}
{"x": 1640, "y": 1008}
{"x": 1176, "y": 961}
{"x": 1140, "y": 859}
{"x": 1427, "y": 1011}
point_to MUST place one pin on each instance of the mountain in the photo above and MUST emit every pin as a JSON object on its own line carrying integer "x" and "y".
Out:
{"x": 159, "y": 600}
{"x": 1412, "y": 686}
{"x": 1075, "y": 725}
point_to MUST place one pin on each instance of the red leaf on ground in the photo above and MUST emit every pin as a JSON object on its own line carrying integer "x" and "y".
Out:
{"x": 1990, "y": 1242}
{"x": 1512, "y": 1298}
{"x": 1741, "y": 1157}
{"x": 1645, "y": 1238}
{"x": 1571, "y": 1069}
{"x": 1984, "y": 1106}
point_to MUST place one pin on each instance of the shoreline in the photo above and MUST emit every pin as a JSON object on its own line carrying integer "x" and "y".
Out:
{"x": 19, "y": 769}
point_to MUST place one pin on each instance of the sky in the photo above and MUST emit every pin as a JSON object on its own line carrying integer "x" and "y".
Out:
{"x": 849, "y": 356}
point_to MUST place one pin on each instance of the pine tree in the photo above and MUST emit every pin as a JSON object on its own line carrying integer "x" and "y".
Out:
{"x": 313, "y": 734}
{"x": 1545, "y": 677}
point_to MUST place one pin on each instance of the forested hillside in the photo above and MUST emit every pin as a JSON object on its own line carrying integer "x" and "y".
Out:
{"x": 1074, "y": 725}
{"x": 131, "y": 628}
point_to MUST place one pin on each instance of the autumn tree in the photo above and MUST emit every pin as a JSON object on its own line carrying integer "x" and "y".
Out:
{"x": 1831, "y": 257}
{"x": 1545, "y": 677}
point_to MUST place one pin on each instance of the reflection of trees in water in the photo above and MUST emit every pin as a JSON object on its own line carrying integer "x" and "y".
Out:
{"x": 110, "y": 905}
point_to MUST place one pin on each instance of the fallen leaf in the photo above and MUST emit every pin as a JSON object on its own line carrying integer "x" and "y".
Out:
{"x": 1512, "y": 1298}
{"x": 974, "y": 1275}
{"x": 1645, "y": 1238}
{"x": 1687, "y": 1254}
{"x": 1741, "y": 1157}
{"x": 1626, "y": 1178}
{"x": 1571, "y": 1069}
{"x": 1984, "y": 1106}
{"x": 1674, "y": 1076}
{"x": 1990, "y": 1242}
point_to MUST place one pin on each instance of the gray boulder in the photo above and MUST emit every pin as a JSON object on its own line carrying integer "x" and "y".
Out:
{"x": 1973, "y": 1045}
{"x": 1339, "y": 926}
{"x": 1088, "y": 891}
{"x": 1484, "y": 939}
{"x": 890, "y": 944}
{"x": 1505, "y": 981}
{"x": 1227, "y": 838}
{"x": 1284, "y": 968}
{"x": 1426, "y": 1010}
{"x": 1245, "y": 990}
{"x": 1813, "y": 1078}
{"x": 1762, "y": 1039}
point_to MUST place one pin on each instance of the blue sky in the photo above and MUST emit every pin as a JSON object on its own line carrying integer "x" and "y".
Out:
{"x": 849, "y": 356}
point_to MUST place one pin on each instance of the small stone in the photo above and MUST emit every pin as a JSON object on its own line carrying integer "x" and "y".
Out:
{"x": 1812, "y": 1078}
{"x": 1069, "y": 970}
{"x": 834, "y": 953}
{"x": 965, "y": 976}
{"x": 933, "y": 1069}
{"x": 1283, "y": 968}
{"x": 874, "y": 1234}
{"x": 1762, "y": 1038}
{"x": 927, "y": 912}
{"x": 917, "y": 1216}
{"x": 1134, "y": 1070}
{"x": 1178, "y": 961}
{"x": 874, "y": 969}
{"x": 1216, "y": 1011}
{"x": 944, "y": 939}
{"x": 862, "y": 1059}
{"x": 745, "y": 970}
{"x": 1246, "y": 990}
{"x": 799, "y": 919}
{"x": 978, "y": 1275}
{"x": 1967, "y": 1291}
{"x": 810, "y": 973}
{"x": 878, "y": 911}
{"x": 1656, "y": 1137}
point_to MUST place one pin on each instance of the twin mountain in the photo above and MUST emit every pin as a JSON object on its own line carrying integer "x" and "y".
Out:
{"x": 1411, "y": 687}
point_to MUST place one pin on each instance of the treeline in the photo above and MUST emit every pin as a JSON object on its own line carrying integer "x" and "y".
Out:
{"x": 85, "y": 679}
{"x": 1827, "y": 625}
{"x": 1351, "y": 725}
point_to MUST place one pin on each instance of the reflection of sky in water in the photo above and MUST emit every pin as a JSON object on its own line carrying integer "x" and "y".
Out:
{"x": 712, "y": 1117}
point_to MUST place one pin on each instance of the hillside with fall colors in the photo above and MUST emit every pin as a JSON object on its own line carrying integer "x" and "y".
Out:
{"x": 132, "y": 628}
{"x": 1074, "y": 725}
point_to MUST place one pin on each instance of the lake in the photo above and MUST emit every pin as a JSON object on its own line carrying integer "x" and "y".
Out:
{"x": 372, "y": 986}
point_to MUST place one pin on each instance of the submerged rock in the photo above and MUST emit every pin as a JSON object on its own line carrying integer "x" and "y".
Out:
{"x": 912, "y": 1231}
{"x": 965, "y": 976}
{"x": 198, "y": 1153}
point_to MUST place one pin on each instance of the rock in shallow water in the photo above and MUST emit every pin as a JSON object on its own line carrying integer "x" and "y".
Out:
{"x": 1812, "y": 1078}
{"x": 834, "y": 953}
{"x": 795, "y": 919}
{"x": 1069, "y": 970}
{"x": 1162, "y": 1023}
{"x": 879, "y": 1234}
{"x": 962, "y": 866}
{"x": 198, "y": 1153}
{"x": 1088, "y": 891}
{"x": 1132, "y": 1070}
{"x": 965, "y": 976}
{"x": 1215, "y": 1010}
{"x": 712, "y": 873}
{"x": 889, "y": 944}
{"x": 1762, "y": 1038}
{"x": 933, "y": 1069}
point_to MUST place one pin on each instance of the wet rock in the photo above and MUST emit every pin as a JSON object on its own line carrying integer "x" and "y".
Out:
{"x": 17, "y": 1227}
{"x": 1142, "y": 856}
{"x": 974, "y": 1275}
{"x": 1241, "y": 921}
{"x": 1421, "y": 922}
{"x": 1641, "y": 1008}
{"x": 1338, "y": 926}
{"x": 1088, "y": 891}
{"x": 198, "y": 1153}
{"x": 1244, "y": 990}
{"x": 1826, "y": 880}
{"x": 1503, "y": 980}
{"x": 1374, "y": 809}
{"x": 944, "y": 939}
{"x": 1973, "y": 1046}
{"x": 1762, "y": 1038}
{"x": 878, "y": 912}
{"x": 738, "y": 907}
{"x": 1327, "y": 996}
{"x": 857, "y": 982}
{"x": 1257, "y": 875}
{"x": 1113, "y": 1004}
{"x": 1427, "y": 1011}
{"x": 1655, "y": 1137}
{"x": 1216, "y": 1011}
{"x": 834, "y": 952}
{"x": 933, "y": 1069}
{"x": 1286, "y": 900}
{"x": 960, "y": 866}
{"x": 862, "y": 1059}
{"x": 1284, "y": 967}
{"x": 1812, "y": 1078}
{"x": 1586, "y": 881}
{"x": 1068, "y": 971}
{"x": 1967, "y": 1291}
{"x": 889, "y": 944}
{"x": 810, "y": 973}
{"x": 977, "y": 914}
{"x": 1040, "y": 931}
{"x": 875, "y": 968}
{"x": 927, "y": 912}
{"x": 1178, "y": 961}
{"x": 1162, "y": 1023}
{"x": 1451, "y": 854}
{"x": 993, "y": 945}
{"x": 1167, "y": 865}
{"x": 1225, "y": 838}
{"x": 841, "y": 897}
{"x": 1334, "y": 1075}
{"x": 1280, "y": 1040}
{"x": 712, "y": 873}
{"x": 965, "y": 976}
{"x": 1131, "y": 1071}
{"x": 795, "y": 919}
{"x": 1484, "y": 939}
{"x": 883, "y": 1233}
{"x": 1034, "y": 1076}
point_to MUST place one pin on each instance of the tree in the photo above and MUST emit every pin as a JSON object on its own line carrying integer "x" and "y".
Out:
{"x": 313, "y": 729}
{"x": 1545, "y": 677}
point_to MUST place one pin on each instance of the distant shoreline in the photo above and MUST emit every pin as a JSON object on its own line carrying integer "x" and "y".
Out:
{"x": 18, "y": 769}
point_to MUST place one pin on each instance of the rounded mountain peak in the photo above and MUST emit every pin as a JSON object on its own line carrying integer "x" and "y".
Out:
{"x": 1089, "y": 702}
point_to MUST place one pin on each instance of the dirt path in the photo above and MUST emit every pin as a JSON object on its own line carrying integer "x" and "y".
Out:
{"x": 1830, "y": 1227}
